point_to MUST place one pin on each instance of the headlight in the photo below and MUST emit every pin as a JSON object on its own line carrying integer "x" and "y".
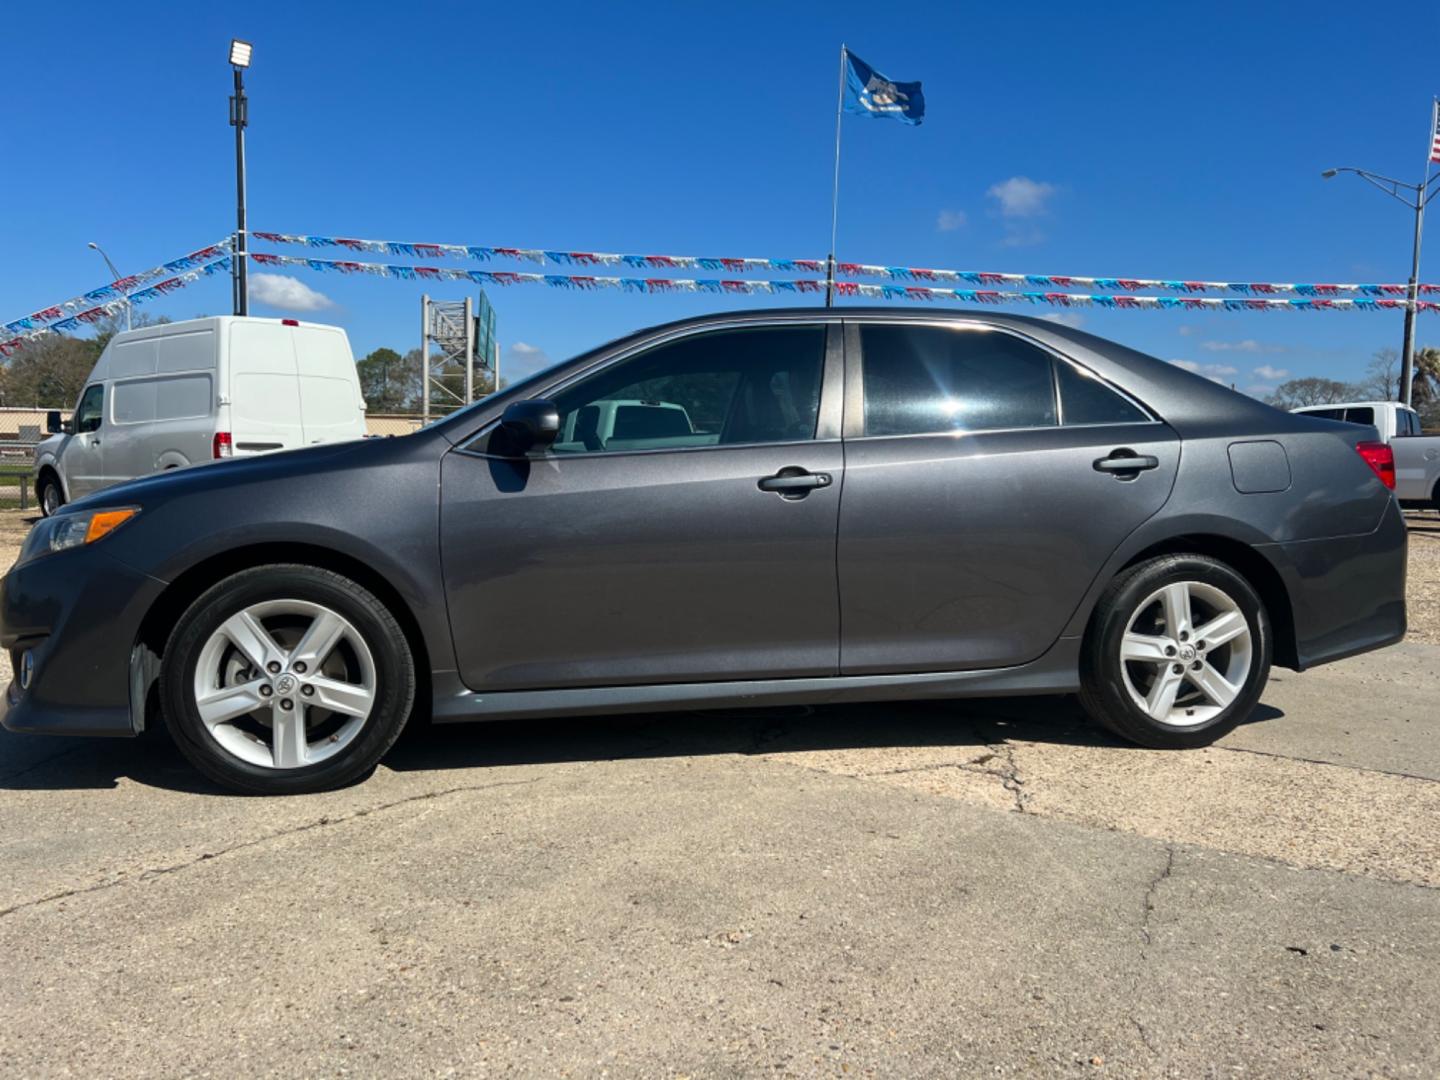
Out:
{"x": 65, "y": 531}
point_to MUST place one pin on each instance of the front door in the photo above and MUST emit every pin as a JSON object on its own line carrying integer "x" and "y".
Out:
{"x": 987, "y": 481}
{"x": 682, "y": 528}
{"x": 83, "y": 459}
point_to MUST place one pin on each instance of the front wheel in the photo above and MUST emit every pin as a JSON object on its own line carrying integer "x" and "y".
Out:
{"x": 286, "y": 679}
{"x": 1177, "y": 653}
{"x": 49, "y": 495}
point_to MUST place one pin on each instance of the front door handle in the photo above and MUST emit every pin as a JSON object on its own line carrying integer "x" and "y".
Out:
{"x": 794, "y": 482}
{"x": 1126, "y": 464}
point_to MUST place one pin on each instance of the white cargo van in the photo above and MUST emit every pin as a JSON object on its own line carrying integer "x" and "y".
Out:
{"x": 181, "y": 393}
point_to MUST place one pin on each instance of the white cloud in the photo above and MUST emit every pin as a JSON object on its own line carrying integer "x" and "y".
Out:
{"x": 1219, "y": 373}
{"x": 1072, "y": 319}
{"x": 1259, "y": 391}
{"x": 950, "y": 220}
{"x": 1249, "y": 345}
{"x": 1186, "y": 331}
{"x": 1271, "y": 374}
{"x": 286, "y": 293}
{"x": 524, "y": 359}
{"x": 1021, "y": 197}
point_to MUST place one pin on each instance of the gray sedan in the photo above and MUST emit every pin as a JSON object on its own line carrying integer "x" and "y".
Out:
{"x": 769, "y": 507}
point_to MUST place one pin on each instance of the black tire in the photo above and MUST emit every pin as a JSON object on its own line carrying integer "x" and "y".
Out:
{"x": 394, "y": 677}
{"x": 1104, "y": 692}
{"x": 49, "y": 485}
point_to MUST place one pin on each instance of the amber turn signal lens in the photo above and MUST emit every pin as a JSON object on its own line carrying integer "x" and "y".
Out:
{"x": 107, "y": 521}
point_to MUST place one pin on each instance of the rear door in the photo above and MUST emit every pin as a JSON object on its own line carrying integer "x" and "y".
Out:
{"x": 987, "y": 480}
{"x": 330, "y": 404}
{"x": 634, "y": 555}
{"x": 264, "y": 388}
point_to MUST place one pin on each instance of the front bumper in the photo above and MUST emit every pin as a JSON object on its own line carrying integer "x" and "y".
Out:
{"x": 1347, "y": 594}
{"x": 79, "y": 613}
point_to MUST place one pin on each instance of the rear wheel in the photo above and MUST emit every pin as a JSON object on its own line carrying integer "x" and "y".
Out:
{"x": 1177, "y": 653}
{"x": 48, "y": 494}
{"x": 286, "y": 679}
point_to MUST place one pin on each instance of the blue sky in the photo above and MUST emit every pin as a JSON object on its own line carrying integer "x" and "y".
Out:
{"x": 1126, "y": 140}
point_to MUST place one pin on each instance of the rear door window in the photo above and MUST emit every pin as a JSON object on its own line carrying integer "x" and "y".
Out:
{"x": 1365, "y": 415}
{"x": 930, "y": 379}
{"x": 1084, "y": 399}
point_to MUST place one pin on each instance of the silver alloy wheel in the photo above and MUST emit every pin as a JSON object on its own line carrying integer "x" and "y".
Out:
{"x": 285, "y": 683}
{"x": 50, "y": 497}
{"x": 1186, "y": 653}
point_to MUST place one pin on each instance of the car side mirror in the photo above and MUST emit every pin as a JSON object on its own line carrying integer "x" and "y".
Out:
{"x": 529, "y": 425}
{"x": 53, "y": 425}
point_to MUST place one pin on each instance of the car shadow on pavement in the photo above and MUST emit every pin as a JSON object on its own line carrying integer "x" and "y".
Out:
{"x": 37, "y": 763}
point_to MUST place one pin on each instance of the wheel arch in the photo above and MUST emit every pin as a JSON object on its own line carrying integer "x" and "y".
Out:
{"x": 165, "y": 612}
{"x": 49, "y": 469}
{"x": 1253, "y": 567}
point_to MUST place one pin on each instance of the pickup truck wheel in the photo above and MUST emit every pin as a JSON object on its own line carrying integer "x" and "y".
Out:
{"x": 286, "y": 679}
{"x": 1176, "y": 654}
{"x": 50, "y": 496}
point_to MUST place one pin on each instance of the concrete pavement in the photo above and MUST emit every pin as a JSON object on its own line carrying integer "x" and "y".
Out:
{"x": 950, "y": 888}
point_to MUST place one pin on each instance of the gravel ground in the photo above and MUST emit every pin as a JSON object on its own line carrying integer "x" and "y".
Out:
{"x": 1423, "y": 583}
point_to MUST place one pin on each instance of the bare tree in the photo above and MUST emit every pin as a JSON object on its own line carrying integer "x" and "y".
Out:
{"x": 1311, "y": 391}
{"x": 1382, "y": 376}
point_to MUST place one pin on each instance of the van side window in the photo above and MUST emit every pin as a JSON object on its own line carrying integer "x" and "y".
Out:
{"x": 87, "y": 413}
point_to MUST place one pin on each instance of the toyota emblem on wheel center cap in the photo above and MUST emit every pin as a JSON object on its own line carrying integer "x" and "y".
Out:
{"x": 285, "y": 684}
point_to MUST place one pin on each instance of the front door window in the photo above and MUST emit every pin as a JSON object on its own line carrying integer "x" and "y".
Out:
{"x": 88, "y": 412}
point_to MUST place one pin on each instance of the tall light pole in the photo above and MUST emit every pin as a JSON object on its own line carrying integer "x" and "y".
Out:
{"x": 239, "y": 117}
{"x": 1416, "y": 197}
{"x": 114, "y": 276}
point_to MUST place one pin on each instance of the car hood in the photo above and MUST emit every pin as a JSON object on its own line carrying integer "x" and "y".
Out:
{"x": 230, "y": 472}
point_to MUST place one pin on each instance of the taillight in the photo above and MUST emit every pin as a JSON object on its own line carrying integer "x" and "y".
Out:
{"x": 223, "y": 447}
{"x": 1381, "y": 458}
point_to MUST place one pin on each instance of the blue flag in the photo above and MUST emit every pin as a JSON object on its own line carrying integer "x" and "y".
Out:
{"x": 869, "y": 93}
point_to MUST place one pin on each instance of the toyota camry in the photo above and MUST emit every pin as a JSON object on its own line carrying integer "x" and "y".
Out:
{"x": 798, "y": 506}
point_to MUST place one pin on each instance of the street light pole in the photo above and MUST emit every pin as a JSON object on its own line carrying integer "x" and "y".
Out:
{"x": 1417, "y": 197}
{"x": 114, "y": 276}
{"x": 239, "y": 118}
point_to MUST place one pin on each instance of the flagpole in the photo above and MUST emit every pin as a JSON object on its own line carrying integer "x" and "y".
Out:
{"x": 835, "y": 187}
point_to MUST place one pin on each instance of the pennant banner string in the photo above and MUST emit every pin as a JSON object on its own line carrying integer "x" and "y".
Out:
{"x": 543, "y": 256}
{"x": 93, "y": 314}
{"x": 116, "y": 290}
{"x": 406, "y": 272}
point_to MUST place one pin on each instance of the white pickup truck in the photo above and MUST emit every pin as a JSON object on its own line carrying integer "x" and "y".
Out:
{"x": 1417, "y": 456}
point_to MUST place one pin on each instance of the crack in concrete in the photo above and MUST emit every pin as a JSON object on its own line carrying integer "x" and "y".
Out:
{"x": 154, "y": 872}
{"x": 1145, "y": 1036}
{"x": 1330, "y": 764}
{"x": 1150, "y": 890}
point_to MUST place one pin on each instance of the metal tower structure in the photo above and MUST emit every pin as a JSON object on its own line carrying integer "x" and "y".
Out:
{"x": 453, "y": 342}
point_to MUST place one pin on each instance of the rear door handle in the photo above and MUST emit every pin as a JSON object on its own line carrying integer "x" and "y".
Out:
{"x": 1126, "y": 461}
{"x": 794, "y": 482}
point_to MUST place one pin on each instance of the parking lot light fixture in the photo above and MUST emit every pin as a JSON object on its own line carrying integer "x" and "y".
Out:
{"x": 1415, "y": 197}
{"x": 239, "y": 118}
{"x": 114, "y": 276}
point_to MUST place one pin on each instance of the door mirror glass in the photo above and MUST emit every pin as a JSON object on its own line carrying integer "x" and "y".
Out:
{"x": 53, "y": 423}
{"x": 526, "y": 426}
